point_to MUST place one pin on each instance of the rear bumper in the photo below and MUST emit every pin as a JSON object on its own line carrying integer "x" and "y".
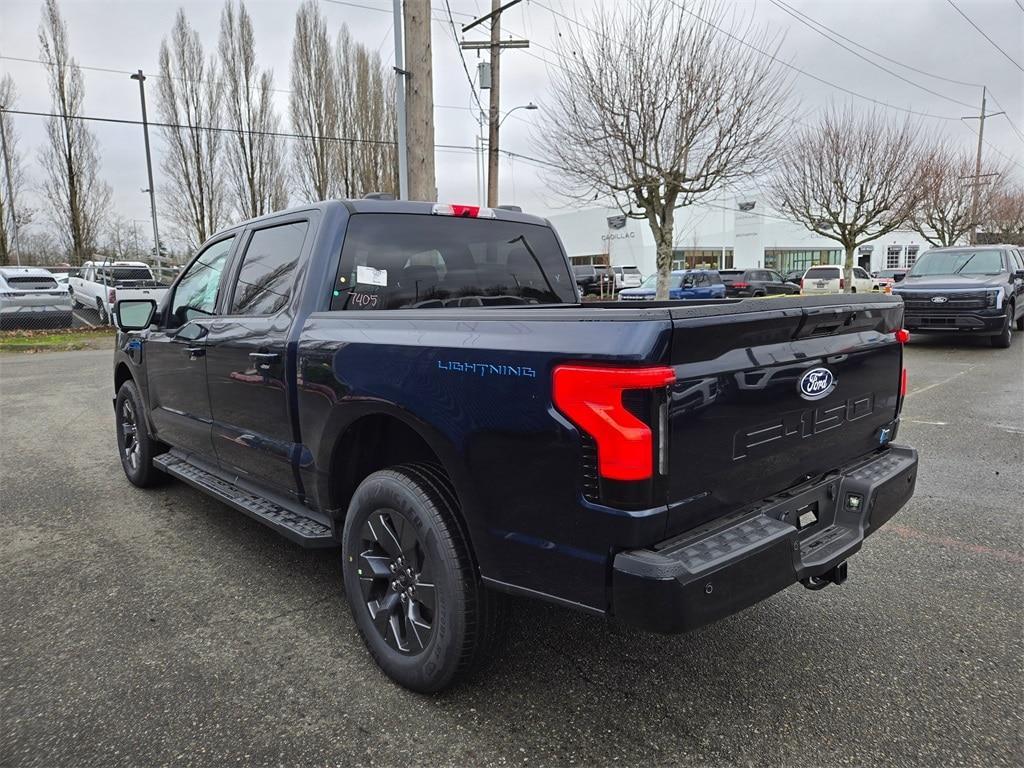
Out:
{"x": 732, "y": 563}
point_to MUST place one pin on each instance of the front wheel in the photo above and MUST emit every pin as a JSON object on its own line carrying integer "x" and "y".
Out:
{"x": 134, "y": 444}
{"x": 1004, "y": 339}
{"x": 410, "y": 580}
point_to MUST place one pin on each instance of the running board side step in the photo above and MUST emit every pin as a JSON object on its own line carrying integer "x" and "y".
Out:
{"x": 290, "y": 521}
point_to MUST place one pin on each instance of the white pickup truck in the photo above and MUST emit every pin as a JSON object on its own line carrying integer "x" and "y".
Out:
{"x": 100, "y": 284}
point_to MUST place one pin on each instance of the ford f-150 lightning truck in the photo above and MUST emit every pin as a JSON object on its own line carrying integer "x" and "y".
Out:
{"x": 420, "y": 386}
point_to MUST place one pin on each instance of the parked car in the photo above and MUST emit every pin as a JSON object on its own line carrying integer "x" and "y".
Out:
{"x": 663, "y": 465}
{"x": 98, "y": 285}
{"x": 627, "y": 277}
{"x": 682, "y": 284}
{"x": 31, "y": 297}
{"x": 892, "y": 276}
{"x": 593, "y": 280}
{"x": 975, "y": 289}
{"x": 742, "y": 283}
{"x": 794, "y": 276}
{"x": 831, "y": 279}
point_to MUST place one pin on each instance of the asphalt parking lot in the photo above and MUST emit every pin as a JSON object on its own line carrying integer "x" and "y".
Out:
{"x": 159, "y": 627}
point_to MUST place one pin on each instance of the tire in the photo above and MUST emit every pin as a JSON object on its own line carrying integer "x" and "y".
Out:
{"x": 134, "y": 445}
{"x": 1004, "y": 339}
{"x": 1020, "y": 320}
{"x": 101, "y": 310}
{"x": 411, "y": 583}
{"x": 75, "y": 304}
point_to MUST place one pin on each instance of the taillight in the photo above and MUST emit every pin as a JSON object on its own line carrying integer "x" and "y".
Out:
{"x": 801, "y": 283}
{"x": 842, "y": 283}
{"x": 902, "y": 335}
{"x": 591, "y": 397}
{"x": 741, "y": 285}
{"x": 111, "y": 296}
{"x": 462, "y": 211}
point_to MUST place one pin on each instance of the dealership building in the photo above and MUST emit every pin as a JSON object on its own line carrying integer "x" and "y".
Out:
{"x": 722, "y": 234}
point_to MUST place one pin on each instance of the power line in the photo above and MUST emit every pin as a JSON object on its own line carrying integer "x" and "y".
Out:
{"x": 1006, "y": 114}
{"x": 462, "y": 56}
{"x": 111, "y": 71}
{"x": 982, "y": 32}
{"x": 211, "y": 128}
{"x": 883, "y": 56}
{"x": 814, "y": 25}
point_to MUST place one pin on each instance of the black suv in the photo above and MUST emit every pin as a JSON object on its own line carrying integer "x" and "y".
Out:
{"x": 755, "y": 282}
{"x": 973, "y": 289}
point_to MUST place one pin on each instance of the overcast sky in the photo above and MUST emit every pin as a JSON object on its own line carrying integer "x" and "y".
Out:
{"x": 927, "y": 34}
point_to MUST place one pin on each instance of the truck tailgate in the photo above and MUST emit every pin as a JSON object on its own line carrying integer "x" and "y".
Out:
{"x": 774, "y": 395}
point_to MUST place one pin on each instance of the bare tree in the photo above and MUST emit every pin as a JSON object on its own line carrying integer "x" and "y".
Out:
{"x": 78, "y": 198}
{"x": 653, "y": 109}
{"x": 14, "y": 214}
{"x": 189, "y": 96}
{"x": 1005, "y": 214}
{"x": 123, "y": 241}
{"x": 314, "y": 105}
{"x": 366, "y": 114}
{"x": 853, "y": 177}
{"x": 946, "y": 212}
{"x": 254, "y": 160}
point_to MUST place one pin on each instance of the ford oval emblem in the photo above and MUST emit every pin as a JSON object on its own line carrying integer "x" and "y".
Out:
{"x": 816, "y": 383}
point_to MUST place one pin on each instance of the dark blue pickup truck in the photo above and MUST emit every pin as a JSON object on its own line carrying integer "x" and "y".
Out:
{"x": 419, "y": 385}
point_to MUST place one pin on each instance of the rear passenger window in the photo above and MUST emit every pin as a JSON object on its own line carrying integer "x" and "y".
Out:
{"x": 268, "y": 269}
{"x": 399, "y": 261}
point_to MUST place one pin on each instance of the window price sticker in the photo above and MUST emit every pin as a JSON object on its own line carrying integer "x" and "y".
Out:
{"x": 371, "y": 276}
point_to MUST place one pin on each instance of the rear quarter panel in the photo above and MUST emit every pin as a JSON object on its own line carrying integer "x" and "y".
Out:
{"x": 476, "y": 386}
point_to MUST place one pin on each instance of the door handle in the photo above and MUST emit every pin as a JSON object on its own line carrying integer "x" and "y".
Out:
{"x": 263, "y": 360}
{"x": 195, "y": 353}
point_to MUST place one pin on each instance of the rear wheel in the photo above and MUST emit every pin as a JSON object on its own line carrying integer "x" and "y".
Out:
{"x": 1004, "y": 339}
{"x": 410, "y": 581}
{"x": 134, "y": 444}
{"x": 1020, "y": 320}
{"x": 101, "y": 310}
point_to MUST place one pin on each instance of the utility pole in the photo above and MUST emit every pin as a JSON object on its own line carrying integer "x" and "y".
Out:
{"x": 494, "y": 46}
{"x": 158, "y": 256}
{"x": 400, "y": 75}
{"x": 976, "y": 184}
{"x": 10, "y": 187}
{"x": 420, "y": 100}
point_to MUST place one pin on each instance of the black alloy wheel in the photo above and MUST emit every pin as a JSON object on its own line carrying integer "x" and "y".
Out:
{"x": 134, "y": 445}
{"x": 130, "y": 450}
{"x": 396, "y": 580}
{"x": 411, "y": 582}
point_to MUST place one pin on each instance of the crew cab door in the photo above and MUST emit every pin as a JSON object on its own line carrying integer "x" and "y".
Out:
{"x": 250, "y": 370}
{"x": 175, "y": 354}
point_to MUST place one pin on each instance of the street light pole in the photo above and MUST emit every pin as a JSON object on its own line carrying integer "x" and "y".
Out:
{"x": 157, "y": 255}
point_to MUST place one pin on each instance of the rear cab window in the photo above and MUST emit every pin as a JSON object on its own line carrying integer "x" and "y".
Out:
{"x": 415, "y": 261}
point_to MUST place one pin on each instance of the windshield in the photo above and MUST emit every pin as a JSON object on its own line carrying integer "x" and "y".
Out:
{"x": 959, "y": 262}
{"x": 674, "y": 281}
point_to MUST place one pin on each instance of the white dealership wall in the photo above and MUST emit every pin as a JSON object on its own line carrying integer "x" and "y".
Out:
{"x": 712, "y": 226}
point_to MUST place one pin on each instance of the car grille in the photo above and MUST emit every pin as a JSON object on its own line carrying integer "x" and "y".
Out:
{"x": 922, "y": 302}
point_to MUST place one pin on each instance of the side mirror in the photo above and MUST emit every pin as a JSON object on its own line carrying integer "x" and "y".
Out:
{"x": 134, "y": 314}
{"x": 899, "y": 276}
{"x": 1019, "y": 274}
